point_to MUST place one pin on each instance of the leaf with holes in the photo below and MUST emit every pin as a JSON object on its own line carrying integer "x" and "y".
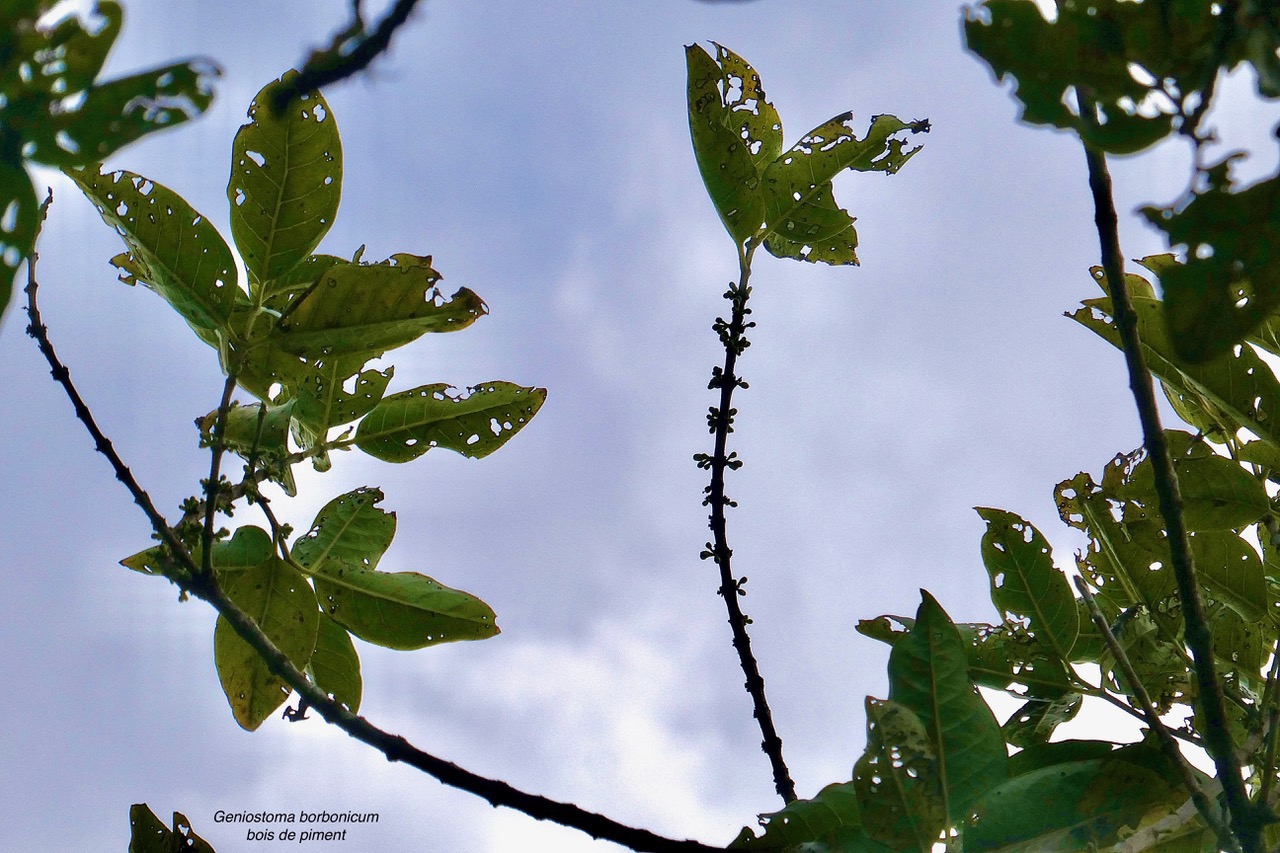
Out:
{"x": 406, "y": 425}
{"x": 147, "y": 834}
{"x": 802, "y": 218}
{"x": 258, "y": 433}
{"x": 1217, "y": 494}
{"x": 1128, "y": 56}
{"x": 896, "y": 779}
{"x": 335, "y": 666}
{"x": 349, "y": 530}
{"x": 367, "y": 309}
{"x": 828, "y": 823}
{"x": 55, "y": 114}
{"x": 400, "y": 610}
{"x": 1025, "y": 585}
{"x": 724, "y": 129}
{"x": 278, "y": 598}
{"x": 1228, "y": 284}
{"x": 286, "y": 182}
{"x": 928, "y": 674}
{"x": 172, "y": 249}
{"x": 248, "y": 547}
{"x": 1038, "y": 718}
{"x": 1238, "y": 385}
{"x": 324, "y": 401}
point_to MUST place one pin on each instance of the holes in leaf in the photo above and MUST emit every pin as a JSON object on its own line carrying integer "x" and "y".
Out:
{"x": 256, "y": 156}
{"x": 9, "y": 221}
{"x": 66, "y": 143}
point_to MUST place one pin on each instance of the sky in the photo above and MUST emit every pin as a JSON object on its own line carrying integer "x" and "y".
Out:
{"x": 540, "y": 153}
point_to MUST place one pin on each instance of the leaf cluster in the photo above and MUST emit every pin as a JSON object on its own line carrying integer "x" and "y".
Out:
{"x": 1126, "y": 75}
{"x": 305, "y": 335}
{"x": 55, "y": 112}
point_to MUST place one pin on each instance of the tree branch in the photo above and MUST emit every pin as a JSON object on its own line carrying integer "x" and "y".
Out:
{"x": 394, "y": 747}
{"x": 1212, "y": 815}
{"x": 1245, "y": 822}
{"x": 720, "y": 422}
{"x": 350, "y": 51}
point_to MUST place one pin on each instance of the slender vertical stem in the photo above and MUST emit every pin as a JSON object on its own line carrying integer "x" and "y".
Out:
{"x": 1199, "y": 638}
{"x": 1168, "y": 745}
{"x": 720, "y": 421}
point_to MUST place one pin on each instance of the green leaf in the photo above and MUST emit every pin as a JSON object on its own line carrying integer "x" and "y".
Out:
{"x": 335, "y": 666}
{"x": 404, "y": 426}
{"x": 179, "y": 252}
{"x": 278, "y": 598}
{"x": 259, "y": 433}
{"x": 349, "y": 530}
{"x": 828, "y": 823}
{"x": 118, "y": 112}
{"x": 720, "y": 138}
{"x": 367, "y": 309}
{"x": 323, "y": 400}
{"x": 1239, "y": 385}
{"x": 801, "y": 215}
{"x": 1038, "y": 718}
{"x": 928, "y": 674}
{"x": 1229, "y": 283}
{"x": 1232, "y": 572}
{"x": 286, "y": 181}
{"x": 247, "y": 548}
{"x": 400, "y": 610}
{"x": 1040, "y": 755}
{"x": 749, "y": 112}
{"x": 896, "y": 779}
{"x": 1126, "y": 55}
{"x": 148, "y": 835}
{"x": 1069, "y": 807}
{"x": 19, "y": 218}
{"x": 1025, "y": 585}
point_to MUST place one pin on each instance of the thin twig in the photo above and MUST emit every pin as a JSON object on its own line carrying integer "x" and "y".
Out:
{"x": 1199, "y": 638}
{"x": 720, "y": 421}
{"x": 350, "y": 52}
{"x": 394, "y": 747}
{"x": 1211, "y": 814}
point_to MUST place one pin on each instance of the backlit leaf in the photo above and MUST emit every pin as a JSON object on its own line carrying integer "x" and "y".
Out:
{"x": 258, "y": 433}
{"x": 180, "y": 253}
{"x": 286, "y": 181}
{"x": 896, "y": 779}
{"x": 335, "y": 666}
{"x": 247, "y": 548}
{"x": 349, "y": 530}
{"x": 400, "y": 610}
{"x": 928, "y": 674}
{"x": 1039, "y": 717}
{"x": 723, "y": 153}
{"x": 371, "y": 308}
{"x": 406, "y": 425}
{"x": 1238, "y": 384}
{"x": 1025, "y": 585}
{"x": 278, "y": 598}
{"x": 801, "y": 215}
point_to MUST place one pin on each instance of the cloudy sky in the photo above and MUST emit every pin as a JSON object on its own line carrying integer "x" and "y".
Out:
{"x": 540, "y": 153}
